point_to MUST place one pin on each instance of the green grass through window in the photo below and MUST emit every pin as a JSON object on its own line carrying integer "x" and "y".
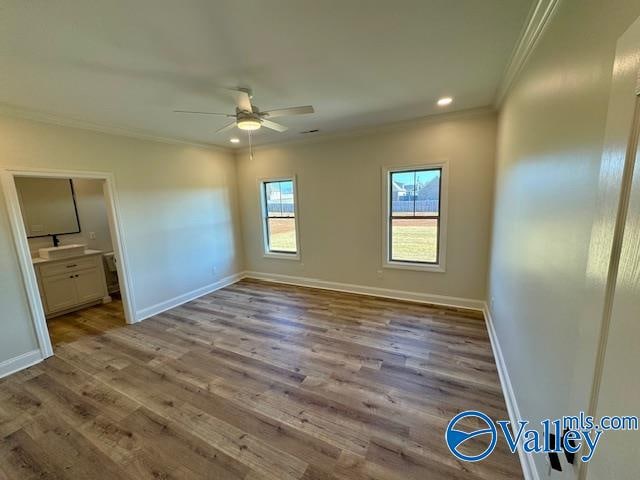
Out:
{"x": 282, "y": 235}
{"x": 415, "y": 240}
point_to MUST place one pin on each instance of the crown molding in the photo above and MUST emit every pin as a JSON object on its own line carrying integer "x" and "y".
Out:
{"x": 539, "y": 17}
{"x": 52, "y": 119}
{"x": 371, "y": 129}
{"x": 58, "y": 120}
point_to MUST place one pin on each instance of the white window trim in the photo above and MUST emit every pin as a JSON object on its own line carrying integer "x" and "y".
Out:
{"x": 263, "y": 211}
{"x": 439, "y": 267}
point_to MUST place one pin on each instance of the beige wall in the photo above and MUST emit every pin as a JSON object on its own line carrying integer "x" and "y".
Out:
{"x": 92, "y": 210}
{"x": 339, "y": 194}
{"x": 178, "y": 210}
{"x": 551, "y": 130}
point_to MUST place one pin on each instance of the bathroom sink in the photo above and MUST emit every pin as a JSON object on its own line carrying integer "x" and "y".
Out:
{"x": 63, "y": 251}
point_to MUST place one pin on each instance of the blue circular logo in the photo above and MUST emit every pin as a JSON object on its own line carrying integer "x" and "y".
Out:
{"x": 455, "y": 437}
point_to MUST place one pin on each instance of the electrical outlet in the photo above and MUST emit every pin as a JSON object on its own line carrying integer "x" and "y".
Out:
{"x": 379, "y": 273}
{"x": 214, "y": 270}
{"x": 92, "y": 235}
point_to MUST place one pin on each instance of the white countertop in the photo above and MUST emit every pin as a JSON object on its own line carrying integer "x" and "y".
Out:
{"x": 87, "y": 252}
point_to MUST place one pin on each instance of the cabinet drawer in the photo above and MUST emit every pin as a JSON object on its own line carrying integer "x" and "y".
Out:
{"x": 71, "y": 265}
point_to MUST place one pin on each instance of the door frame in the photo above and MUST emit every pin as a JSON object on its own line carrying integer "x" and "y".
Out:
{"x": 24, "y": 253}
{"x": 616, "y": 176}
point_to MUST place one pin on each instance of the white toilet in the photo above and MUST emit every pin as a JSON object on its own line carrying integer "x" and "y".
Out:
{"x": 111, "y": 272}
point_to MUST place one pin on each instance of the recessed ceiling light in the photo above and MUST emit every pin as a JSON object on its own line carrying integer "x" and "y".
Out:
{"x": 444, "y": 101}
{"x": 235, "y": 140}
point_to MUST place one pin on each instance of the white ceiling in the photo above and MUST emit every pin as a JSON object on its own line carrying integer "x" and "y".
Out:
{"x": 129, "y": 63}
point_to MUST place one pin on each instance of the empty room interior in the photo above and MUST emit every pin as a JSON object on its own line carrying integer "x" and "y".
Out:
{"x": 320, "y": 240}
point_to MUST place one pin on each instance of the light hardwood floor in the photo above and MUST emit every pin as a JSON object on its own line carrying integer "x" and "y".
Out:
{"x": 90, "y": 321}
{"x": 256, "y": 381}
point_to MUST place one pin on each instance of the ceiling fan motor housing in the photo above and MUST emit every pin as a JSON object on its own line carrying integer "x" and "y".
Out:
{"x": 244, "y": 115}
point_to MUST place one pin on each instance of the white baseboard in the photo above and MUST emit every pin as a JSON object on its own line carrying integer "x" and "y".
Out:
{"x": 373, "y": 291}
{"x": 20, "y": 362}
{"x": 187, "y": 297}
{"x": 526, "y": 461}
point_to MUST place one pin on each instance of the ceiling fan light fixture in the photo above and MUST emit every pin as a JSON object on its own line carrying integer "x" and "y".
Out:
{"x": 248, "y": 117}
{"x": 248, "y": 124}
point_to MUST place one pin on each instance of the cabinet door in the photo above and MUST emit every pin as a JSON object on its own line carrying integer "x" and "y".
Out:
{"x": 60, "y": 292}
{"x": 89, "y": 285}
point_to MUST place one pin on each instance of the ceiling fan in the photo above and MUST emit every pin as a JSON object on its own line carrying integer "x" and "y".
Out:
{"x": 249, "y": 117}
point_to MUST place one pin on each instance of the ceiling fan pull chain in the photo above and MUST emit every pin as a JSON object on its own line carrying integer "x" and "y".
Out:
{"x": 250, "y": 147}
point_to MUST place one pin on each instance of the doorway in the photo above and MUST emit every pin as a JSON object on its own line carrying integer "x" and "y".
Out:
{"x": 617, "y": 266}
{"x": 71, "y": 250}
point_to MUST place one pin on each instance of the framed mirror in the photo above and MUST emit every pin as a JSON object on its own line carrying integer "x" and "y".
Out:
{"x": 48, "y": 206}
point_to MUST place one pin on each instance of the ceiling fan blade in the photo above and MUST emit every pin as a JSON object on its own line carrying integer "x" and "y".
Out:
{"x": 274, "y": 126}
{"x": 243, "y": 100}
{"x": 203, "y": 113}
{"x": 226, "y": 127}
{"x": 281, "y": 112}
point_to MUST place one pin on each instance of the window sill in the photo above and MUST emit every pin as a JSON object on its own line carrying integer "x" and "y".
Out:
{"x": 437, "y": 268}
{"x": 282, "y": 256}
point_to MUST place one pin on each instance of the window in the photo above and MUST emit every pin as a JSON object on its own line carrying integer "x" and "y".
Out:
{"x": 414, "y": 218}
{"x": 279, "y": 217}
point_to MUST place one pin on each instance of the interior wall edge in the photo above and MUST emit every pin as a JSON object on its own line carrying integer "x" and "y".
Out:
{"x": 239, "y": 211}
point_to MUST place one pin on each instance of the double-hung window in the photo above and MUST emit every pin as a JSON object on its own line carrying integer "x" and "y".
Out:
{"x": 279, "y": 217}
{"x": 414, "y": 235}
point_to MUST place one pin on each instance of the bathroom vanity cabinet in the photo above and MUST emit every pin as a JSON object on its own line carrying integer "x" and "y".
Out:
{"x": 71, "y": 283}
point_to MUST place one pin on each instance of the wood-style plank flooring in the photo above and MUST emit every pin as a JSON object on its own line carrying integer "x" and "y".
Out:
{"x": 89, "y": 321}
{"x": 256, "y": 381}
